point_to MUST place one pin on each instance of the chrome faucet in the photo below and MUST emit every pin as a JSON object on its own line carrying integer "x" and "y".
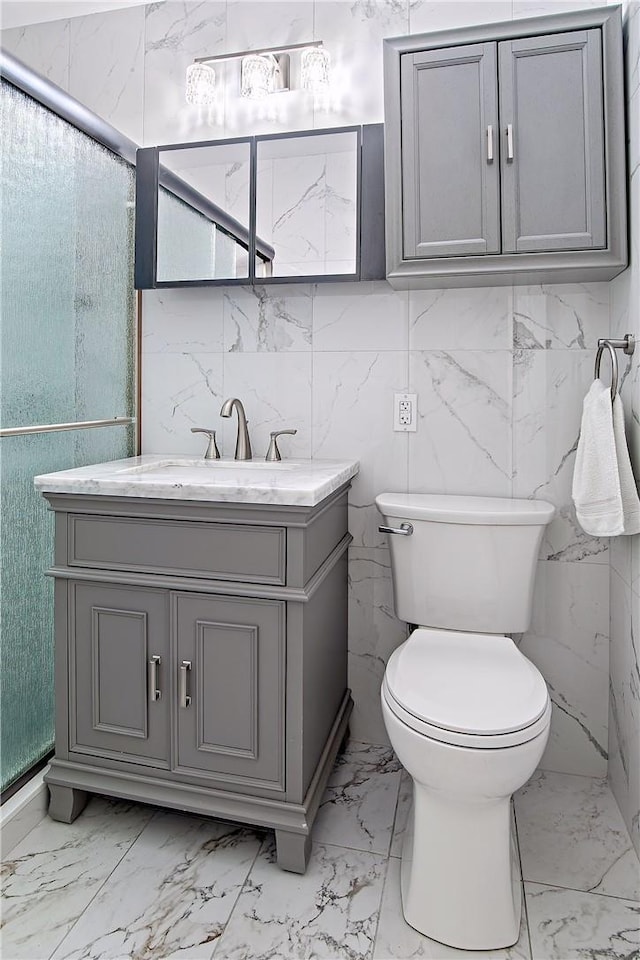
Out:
{"x": 243, "y": 444}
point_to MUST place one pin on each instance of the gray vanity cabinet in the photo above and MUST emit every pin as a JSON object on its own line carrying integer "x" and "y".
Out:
{"x": 201, "y": 657}
{"x": 505, "y": 153}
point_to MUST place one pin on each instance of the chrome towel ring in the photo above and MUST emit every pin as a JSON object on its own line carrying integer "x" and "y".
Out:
{"x": 626, "y": 344}
{"x": 614, "y": 365}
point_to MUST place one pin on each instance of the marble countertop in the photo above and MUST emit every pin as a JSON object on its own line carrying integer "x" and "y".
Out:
{"x": 165, "y": 477}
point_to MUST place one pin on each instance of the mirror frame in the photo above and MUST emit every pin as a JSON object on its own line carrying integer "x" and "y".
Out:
{"x": 151, "y": 175}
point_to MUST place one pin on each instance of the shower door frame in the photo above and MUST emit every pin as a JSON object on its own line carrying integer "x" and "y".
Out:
{"x": 67, "y": 108}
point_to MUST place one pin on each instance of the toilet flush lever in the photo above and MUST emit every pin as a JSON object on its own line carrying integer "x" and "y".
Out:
{"x": 404, "y": 530}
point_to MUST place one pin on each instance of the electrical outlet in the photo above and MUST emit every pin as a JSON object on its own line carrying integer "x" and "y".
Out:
{"x": 405, "y": 412}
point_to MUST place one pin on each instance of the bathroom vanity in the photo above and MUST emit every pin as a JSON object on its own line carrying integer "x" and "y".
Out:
{"x": 201, "y": 638}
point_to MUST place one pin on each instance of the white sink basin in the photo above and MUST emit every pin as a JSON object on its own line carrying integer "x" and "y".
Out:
{"x": 205, "y": 471}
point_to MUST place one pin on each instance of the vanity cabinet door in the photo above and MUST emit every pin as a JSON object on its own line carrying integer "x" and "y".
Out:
{"x": 552, "y": 151}
{"x": 231, "y": 689}
{"x": 119, "y": 673}
{"x": 450, "y": 167}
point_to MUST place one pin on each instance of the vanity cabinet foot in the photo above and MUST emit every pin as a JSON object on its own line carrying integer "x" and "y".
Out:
{"x": 292, "y": 851}
{"x": 66, "y": 803}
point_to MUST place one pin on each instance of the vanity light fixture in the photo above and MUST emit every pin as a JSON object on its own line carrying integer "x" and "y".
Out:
{"x": 262, "y": 72}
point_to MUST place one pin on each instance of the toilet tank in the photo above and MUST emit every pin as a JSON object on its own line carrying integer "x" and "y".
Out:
{"x": 469, "y": 563}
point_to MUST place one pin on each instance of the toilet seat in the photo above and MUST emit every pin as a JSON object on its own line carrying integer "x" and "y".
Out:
{"x": 466, "y": 689}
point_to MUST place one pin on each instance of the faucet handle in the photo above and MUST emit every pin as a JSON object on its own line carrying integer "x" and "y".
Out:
{"x": 212, "y": 452}
{"x": 273, "y": 453}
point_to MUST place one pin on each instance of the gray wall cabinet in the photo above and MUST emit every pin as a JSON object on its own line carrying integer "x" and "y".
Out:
{"x": 181, "y": 682}
{"x": 504, "y": 153}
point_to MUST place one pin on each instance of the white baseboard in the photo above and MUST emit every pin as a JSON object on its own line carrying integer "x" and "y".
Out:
{"x": 23, "y": 812}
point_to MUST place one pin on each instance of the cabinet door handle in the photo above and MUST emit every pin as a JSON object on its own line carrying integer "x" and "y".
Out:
{"x": 185, "y": 699}
{"x": 510, "y": 142}
{"x": 490, "y": 143}
{"x": 152, "y": 672}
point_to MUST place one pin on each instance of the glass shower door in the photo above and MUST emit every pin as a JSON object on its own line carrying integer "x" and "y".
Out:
{"x": 67, "y": 357}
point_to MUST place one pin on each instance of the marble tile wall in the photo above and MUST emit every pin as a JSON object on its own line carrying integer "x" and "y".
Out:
{"x": 500, "y": 373}
{"x": 624, "y": 692}
{"x": 99, "y": 59}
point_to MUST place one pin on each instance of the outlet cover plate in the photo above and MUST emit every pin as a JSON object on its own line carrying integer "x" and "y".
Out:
{"x": 405, "y": 412}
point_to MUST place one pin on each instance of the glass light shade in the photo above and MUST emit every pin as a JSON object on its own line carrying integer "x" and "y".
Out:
{"x": 201, "y": 85}
{"x": 314, "y": 64}
{"x": 258, "y": 76}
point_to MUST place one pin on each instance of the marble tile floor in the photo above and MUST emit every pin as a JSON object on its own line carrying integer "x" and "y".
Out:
{"x": 132, "y": 881}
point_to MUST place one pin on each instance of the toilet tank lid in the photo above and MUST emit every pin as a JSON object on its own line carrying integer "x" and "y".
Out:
{"x": 446, "y": 508}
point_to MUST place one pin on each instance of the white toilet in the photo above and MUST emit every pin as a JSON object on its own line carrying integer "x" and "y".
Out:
{"x": 467, "y": 714}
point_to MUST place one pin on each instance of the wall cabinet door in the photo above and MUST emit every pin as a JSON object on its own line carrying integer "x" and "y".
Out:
{"x": 553, "y": 190}
{"x": 119, "y": 673}
{"x": 231, "y": 662}
{"x": 450, "y": 165}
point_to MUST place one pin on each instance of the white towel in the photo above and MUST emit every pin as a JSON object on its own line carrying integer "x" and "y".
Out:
{"x": 628, "y": 489}
{"x": 596, "y": 481}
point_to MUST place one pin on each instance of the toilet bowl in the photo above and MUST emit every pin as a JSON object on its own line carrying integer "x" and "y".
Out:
{"x": 467, "y": 714}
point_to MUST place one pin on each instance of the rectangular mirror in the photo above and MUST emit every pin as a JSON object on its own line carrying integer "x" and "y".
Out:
{"x": 274, "y": 208}
{"x": 204, "y": 213}
{"x": 307, "y": 203}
